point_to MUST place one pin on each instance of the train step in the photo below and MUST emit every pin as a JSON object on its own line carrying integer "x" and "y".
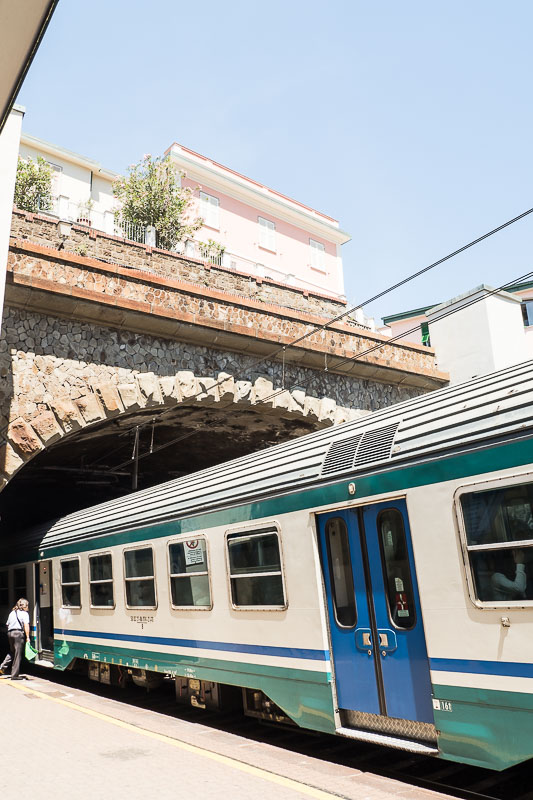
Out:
{"x": 389, "y": 741}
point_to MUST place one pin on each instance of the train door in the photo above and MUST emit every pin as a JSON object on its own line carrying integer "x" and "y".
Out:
{"x": 377, "y": 636}
{"x": 45, "y": 612}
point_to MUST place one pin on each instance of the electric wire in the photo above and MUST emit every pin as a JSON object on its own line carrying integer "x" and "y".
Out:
{"x": 318, "y": 328}
{"x": 355, "y": 357}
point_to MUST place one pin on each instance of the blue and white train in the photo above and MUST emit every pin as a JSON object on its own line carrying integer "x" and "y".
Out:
{"x": 373, "y": 580}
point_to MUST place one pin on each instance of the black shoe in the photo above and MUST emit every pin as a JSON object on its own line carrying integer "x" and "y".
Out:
{"x": 17, "y": 678}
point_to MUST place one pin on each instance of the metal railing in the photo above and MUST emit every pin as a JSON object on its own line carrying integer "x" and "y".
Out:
{"x": 85, "y": 214}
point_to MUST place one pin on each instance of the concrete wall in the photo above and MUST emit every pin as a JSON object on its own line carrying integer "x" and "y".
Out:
{"x": 480, "y": 338}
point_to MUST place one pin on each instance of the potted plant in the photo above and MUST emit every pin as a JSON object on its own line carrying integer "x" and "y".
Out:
{"x": 84, "y": 212}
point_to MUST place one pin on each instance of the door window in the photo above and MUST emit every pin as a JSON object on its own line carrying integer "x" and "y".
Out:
{"x": 396, "y": 570}
{"x": 341, "y": 573}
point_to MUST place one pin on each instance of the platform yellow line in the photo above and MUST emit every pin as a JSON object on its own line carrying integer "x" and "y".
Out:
{"x": 257, "y": 772}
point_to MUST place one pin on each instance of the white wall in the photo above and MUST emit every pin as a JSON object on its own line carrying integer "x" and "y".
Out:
{"x": 480, "y": 338}
{"x": 77, "y": 181}
{"x": 9, "y": 147}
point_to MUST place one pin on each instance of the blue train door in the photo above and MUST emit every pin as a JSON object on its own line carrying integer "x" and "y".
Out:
{"x": 377, "y": 636}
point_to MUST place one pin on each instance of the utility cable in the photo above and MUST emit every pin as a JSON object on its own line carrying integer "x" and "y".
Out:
{"x": 339, "y": 317}
{"x": 342, "y": 362}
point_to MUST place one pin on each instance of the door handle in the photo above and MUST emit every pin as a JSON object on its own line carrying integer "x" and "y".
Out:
{"x": 363, "y": 640}
{"x": 388, "y": 642}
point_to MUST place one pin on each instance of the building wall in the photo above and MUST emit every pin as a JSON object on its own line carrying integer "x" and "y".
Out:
{"x": 79, "y": 180}
{"x": 240, "y": 233}
{"x": 401, "y": 326}
{"x": 480, "y": 338}
{"x": 74, "y": 185}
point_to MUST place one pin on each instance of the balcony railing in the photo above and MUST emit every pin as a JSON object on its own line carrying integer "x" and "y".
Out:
{"x": 85, "y": 214}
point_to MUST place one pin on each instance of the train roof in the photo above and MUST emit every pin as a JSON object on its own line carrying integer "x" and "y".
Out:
{"x": 440, "y": 422}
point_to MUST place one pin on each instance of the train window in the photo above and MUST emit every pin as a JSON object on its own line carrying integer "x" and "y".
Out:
{"x": 101, "y": 581}
{"x": 255, "y": 572}
{"x": 140, "y": 578}
{"x": 70, "y": 583}
{"x": 396, "y": 570}
{"x": 4, "y": 588}
{"x": 341, "y": 573}
{"x": 19, "y": 583}
{"x": 189, "y": 576}
{"x": 499, "y": 543}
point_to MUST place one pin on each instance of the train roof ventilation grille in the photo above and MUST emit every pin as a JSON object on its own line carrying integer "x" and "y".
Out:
{"x": 376, "y": 445}
{"x": 340, "y": 455}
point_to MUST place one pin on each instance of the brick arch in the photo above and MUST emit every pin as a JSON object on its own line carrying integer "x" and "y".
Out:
{"x": 60, "y": 416}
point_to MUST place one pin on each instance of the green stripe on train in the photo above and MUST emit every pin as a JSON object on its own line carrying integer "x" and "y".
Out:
{"x": 462, "y": 466}
{"x": 484, "y": 727}
{"x": 304, "y": 695}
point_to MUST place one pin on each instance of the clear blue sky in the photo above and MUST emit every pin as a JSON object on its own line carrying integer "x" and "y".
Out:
{"x": 410, "y": 122}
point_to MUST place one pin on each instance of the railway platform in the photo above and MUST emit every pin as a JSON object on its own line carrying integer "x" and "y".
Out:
{"x": 68, "y": 742}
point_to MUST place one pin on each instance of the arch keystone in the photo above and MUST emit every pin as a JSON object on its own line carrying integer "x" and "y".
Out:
{"x": 109, "y": 397}
{"x": 186, "y": 382}
{"x": 149, "y": 389}
{"x": 67, "y": 414}
{"x": 23, "y": 438}
{"x": 209, "y": 389}
{"x": 226, "y": 388}
{"x": 90, "y": 408}
{"x": 130, "y": 396}
{"x": 45, "y": 425}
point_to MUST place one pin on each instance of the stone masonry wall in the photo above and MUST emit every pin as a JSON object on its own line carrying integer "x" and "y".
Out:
{"x": 122, "y": 288}
{"x": 43, "y": 358}
{"x": 44, "y": 230}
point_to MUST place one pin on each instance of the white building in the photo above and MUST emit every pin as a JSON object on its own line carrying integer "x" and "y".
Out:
{"x": 260, "y": 231}
{"x": 476, "y": 333}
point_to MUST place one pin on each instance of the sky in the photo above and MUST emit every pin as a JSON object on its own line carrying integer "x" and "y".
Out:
{"x": 409, "y": 122}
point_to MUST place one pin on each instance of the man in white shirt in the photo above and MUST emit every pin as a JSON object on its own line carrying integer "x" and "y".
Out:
{"x": 18, "y": 632}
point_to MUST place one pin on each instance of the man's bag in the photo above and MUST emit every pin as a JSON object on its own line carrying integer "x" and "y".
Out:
{"x": 30, "y": 652}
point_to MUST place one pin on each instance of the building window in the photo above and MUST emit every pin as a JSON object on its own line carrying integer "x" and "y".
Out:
{"x": 527, "y": 312}
{"x": 424, "y": 330}
{"x": 101, "y": 581}
{"x": 140, "y": 578}
{"x": 267, "y": 234}
{"x": 255, "y": 572}
{"x": 209, "y": 210}
{"x": 20, "y": 587}
{"x": 318, "y": 255}
{"x": 499, "y": 543}
{"x": 70, "y": 583}
{"x": 189, "y": 574}
{"x": 4, "y": 588}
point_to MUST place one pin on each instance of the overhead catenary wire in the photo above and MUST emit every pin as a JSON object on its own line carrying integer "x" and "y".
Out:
{"x": 317, "y": 328}
{"x": 355, "y": 357}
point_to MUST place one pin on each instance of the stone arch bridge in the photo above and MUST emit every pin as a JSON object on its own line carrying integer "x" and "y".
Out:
{"x": 120, "y": 359}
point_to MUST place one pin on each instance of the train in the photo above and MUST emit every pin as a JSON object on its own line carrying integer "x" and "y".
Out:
{"x": 372, "y": 580}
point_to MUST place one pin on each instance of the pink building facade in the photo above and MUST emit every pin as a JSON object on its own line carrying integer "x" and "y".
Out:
{"x": 263, "y": 233}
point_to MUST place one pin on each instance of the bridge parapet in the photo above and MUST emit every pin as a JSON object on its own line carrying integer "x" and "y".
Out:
{"x": 79, "y": 239}
{"x": 86, "y": 341}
